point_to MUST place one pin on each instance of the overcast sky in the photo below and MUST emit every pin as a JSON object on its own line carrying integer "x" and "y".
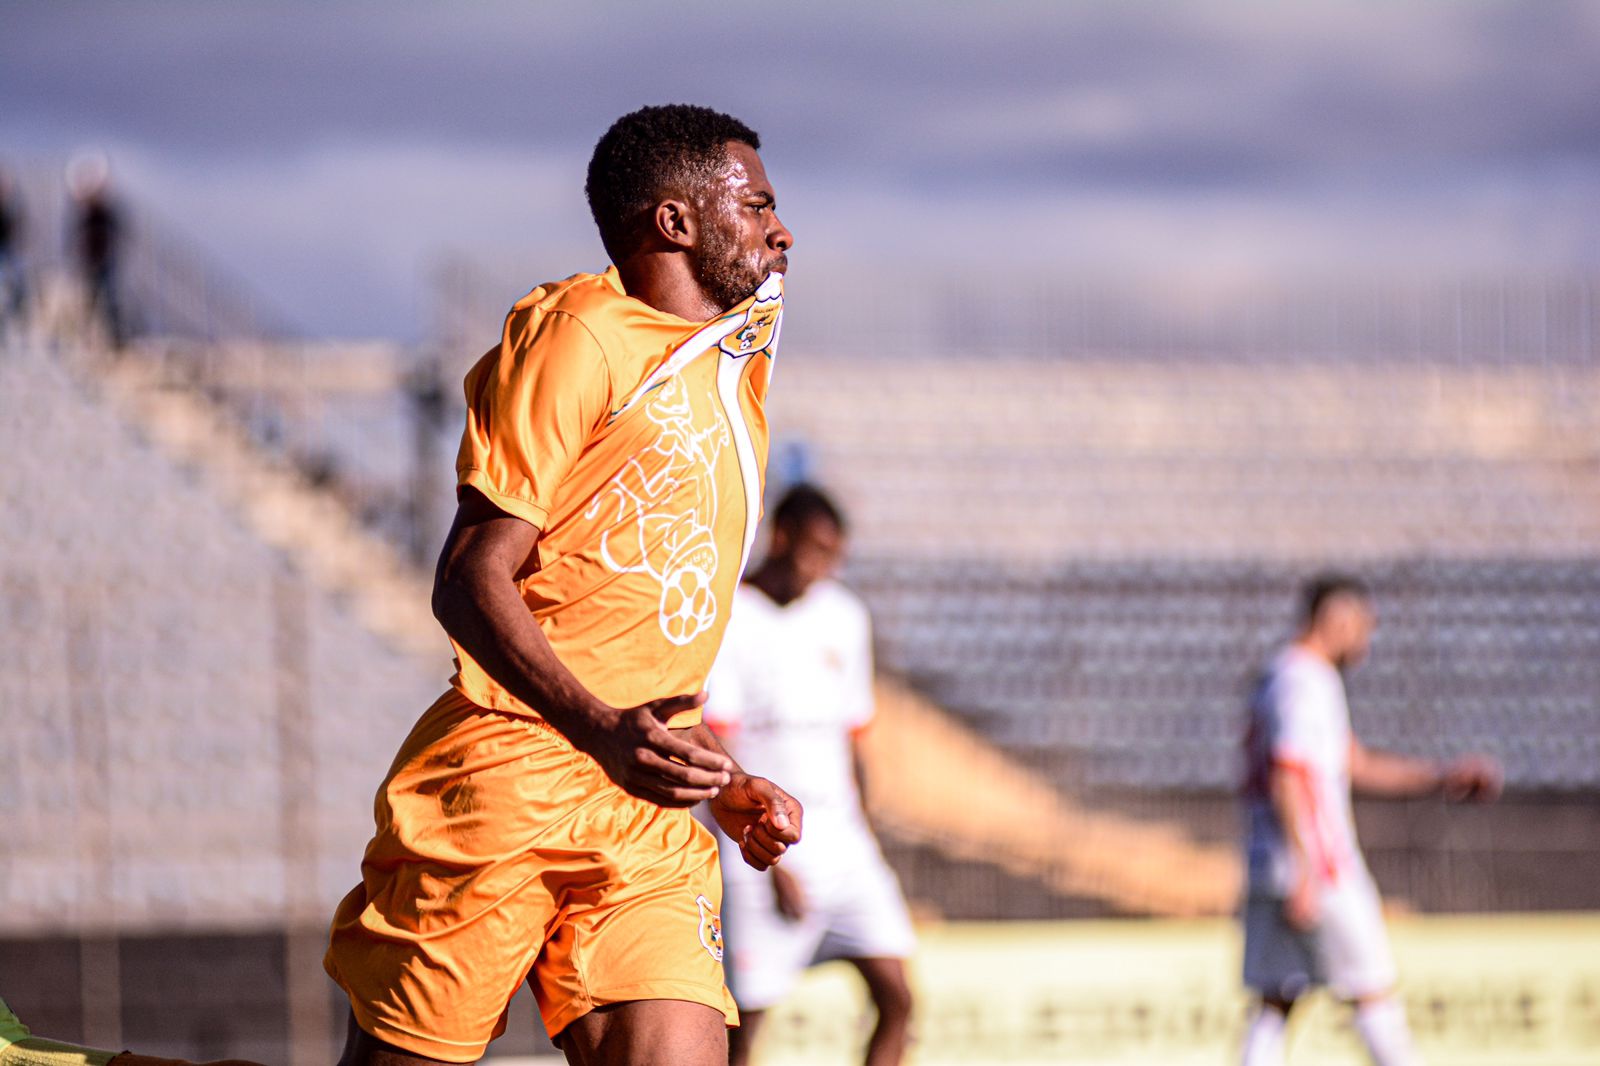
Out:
{"x": 330, "y": 152}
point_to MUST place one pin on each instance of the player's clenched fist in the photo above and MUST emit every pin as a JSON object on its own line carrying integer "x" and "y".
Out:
{"x": 638, "y": 752}
{"x": 1473, "y": 779}
{"x": 1302, "y": 907}
{"x": 762, "y": 817}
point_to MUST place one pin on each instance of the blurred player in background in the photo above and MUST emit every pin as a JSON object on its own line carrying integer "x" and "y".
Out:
{"x": 97, "y": 241}
{"x": 13, "y": 274}
{"x": 789, "y": 695}
{"x": 1312, "y": 916}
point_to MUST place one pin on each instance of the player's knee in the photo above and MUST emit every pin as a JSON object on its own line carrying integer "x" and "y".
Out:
{"x": 893, "y": 999}
{"x": 1369, "y": 999}
{"x": 739, "y": 1045}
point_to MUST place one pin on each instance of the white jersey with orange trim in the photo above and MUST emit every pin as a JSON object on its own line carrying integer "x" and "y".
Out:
{"x": 789, "y": 688}
{"x": 1300, "y": 725}
{"x": 790, "y": 685}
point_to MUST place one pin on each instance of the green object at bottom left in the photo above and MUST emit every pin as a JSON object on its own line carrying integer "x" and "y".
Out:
{"x": 19, "y": 1047}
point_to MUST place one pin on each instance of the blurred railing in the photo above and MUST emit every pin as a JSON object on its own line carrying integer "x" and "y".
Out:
{"x": 370, "y": 422}
{"x": 1552, "y": 320}
{"x": 171, "y": 287}
{"x": 1514, "y": 319}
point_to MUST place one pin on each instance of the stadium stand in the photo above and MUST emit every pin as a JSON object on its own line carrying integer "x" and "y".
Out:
{"x": 170, "y": 621}
{"x": 1080, "y": 513}
{"x": 1136, "y": 671}
{"x": 1089, "y": 566}
{"x": 937, "y": 785}
{"x": 1083, "y": 460}
{"x": 207, "y": 658}
{"x": 198, "y": 718}
{"x": 1079, "y": 538}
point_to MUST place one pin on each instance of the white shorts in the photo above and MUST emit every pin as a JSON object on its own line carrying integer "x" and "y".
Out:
{"x": 1347, "y": 951}
{"x": 855, "y": 910}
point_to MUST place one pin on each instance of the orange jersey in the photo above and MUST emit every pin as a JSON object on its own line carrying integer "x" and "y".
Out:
{"x": 637, "y": 441}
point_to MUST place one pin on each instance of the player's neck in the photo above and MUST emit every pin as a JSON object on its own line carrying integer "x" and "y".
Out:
{"x": 665, "y": 281}
{"x": 776, "y": 583}
{"x": 1311, "y": 645}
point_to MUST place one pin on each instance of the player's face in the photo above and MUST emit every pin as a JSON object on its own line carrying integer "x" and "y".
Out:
{"x": 815, "y": 551}
{"x": 741, "y": 239}
{"x": 1355, "y": 621}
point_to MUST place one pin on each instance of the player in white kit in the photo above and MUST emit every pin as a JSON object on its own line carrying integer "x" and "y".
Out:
{"x": 1312, "y": 916}
{"x": 791, "y": 690}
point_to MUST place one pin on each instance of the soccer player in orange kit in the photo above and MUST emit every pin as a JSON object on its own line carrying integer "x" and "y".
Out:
{"x": 536, "y": 823}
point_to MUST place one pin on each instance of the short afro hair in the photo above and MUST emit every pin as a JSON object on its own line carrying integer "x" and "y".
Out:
{"x": 1316, "y": 593}
{"x": 649, "y": 153}
{"x": 804, "y": 504}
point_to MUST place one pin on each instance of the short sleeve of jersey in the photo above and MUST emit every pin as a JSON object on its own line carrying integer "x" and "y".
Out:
{"x": 532, "y": 407}
{"x": 1292, "y": 722}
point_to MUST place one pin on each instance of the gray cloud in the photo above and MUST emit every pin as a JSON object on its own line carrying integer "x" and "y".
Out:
{"x": 1201, "y": 85}
{"x": 1277, "y": 119}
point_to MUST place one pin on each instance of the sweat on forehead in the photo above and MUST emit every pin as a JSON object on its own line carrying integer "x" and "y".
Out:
{"x": 737, "y": 176}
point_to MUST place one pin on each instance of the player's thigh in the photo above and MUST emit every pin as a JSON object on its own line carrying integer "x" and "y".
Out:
{"x": 647, "y": 926}
{"x": 868, "y": 917}
{"x": 361, "y": 1048}
{"x": 1280, "y": 962}
{"x": 1353, "y": 941}
{"x": 648, "y": 1032}
{"x": 766, "y": 951}
{"x": 742, "y": 1039}
{"x": 456, "y": 883}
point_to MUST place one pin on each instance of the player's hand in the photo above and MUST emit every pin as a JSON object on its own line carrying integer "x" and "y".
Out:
{"x": 638, "y": 752}
{"x": 1302, "y": 908}
{"x": 1474, "y": 779}
{"x": 760, "y": 816}
{"x": 788, "y": 894}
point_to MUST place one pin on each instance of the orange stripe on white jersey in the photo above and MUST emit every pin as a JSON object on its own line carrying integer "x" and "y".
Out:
{"x": 1324, "y": 857}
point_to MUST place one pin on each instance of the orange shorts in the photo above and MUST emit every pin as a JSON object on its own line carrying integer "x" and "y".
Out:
{"x": 503, "y": 854}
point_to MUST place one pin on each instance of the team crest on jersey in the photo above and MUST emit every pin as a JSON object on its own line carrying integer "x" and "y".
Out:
{"x": 710, "y": 928}
{"x": 756, "y": 332}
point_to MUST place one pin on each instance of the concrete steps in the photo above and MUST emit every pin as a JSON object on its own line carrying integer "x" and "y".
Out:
{"x": 933, "y": 781}
{"x": 278, "y": 503}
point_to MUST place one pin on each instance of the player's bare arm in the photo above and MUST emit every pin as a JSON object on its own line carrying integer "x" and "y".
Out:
{"x": 858, "y": 769}
{"x": 788, "y": 894}
{"x": 762, "y": 817}
{"x": 1473, "y": 778}
{"x": 1300, "y": 907}
{"x": 475, "y": 598}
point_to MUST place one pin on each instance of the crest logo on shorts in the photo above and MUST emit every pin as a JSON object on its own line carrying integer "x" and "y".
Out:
{"x": 755, "y": 333}
{"x": 710, "y": 928}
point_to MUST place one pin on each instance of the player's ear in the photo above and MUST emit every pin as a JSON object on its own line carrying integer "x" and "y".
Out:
{"x": 675, "y": 222}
